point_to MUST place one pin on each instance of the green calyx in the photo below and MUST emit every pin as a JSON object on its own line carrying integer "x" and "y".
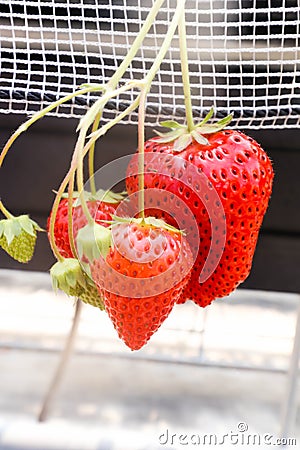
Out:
{"x": 183, "y": 137}
{"x": 101, "y": 195}
{"x": 18, "y": 237}
{"x": 69, "y": 277}
{"x": 146, "y": 221}
{"x": 93, "y": 241}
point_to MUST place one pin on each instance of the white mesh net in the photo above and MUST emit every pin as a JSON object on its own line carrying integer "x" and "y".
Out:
{"x": 244, "y": 57}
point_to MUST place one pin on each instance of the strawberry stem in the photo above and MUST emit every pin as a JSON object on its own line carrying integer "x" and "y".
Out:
{"x": 80, "y": 184}
{"x": 136, "y": 44}
{"x": 185, "y": 73}
{"x": 70, "y": 214}
{"x": 5, "y": 212}
{"x": 141, "y": 153}
{"x": 38, "y": 115}
{"x": 72, "y": 170}
{"x": 92, "y": 156}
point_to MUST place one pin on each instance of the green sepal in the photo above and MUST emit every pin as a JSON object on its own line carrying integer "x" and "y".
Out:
{"x": 214, "y": 127}
{"x": 171, "y": 124}
{"x": 93, "y": 241}
{"x": 152, "y": 221}
{"x": 70, "y": 277}
{"x": 182, "y": 136}
{"x": 182, "y": 142}
{"x": 199, "y": 138}
{"x": 207, "y": 117}
{"x": 67, "y": 275}
{"x": 101, "y": 195}
{"x": 18, "y": 237}
{"x": 12, "y": 228}
{"x": 170, "y": 136}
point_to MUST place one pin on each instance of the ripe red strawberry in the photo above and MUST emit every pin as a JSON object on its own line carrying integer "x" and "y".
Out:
{"x": 142, "y": 277}
{"x": 101, "y": 209}
{"x": 241, "y": 174}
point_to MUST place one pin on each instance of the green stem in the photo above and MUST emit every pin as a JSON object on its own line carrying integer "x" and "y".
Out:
{"x": 71, "y": 173}
{"x": 185, "y": 73}
{"x": 80, "y": 182}
{"x": 146, "y": 83}
{"x": 166, "y": 44}
{"x": 70, "y": 214}
{"x": 136, "y": 44}
{"x": 95, "y": 136}
{"x": 5, "y": 212}
{"x": 41, "y": 114}
{"x": 141, "y": 153}
{"x": 118, "y": 75}
{"x": 92, "y": 157}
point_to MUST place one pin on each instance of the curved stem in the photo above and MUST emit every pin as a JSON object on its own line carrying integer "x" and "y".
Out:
{"x": 141, "y": 154}
{"x": 72, "y": 170}
{"x": 136, "y": 44}
{"x": 41, "y": 114}
{"x": 167, "y": 42}
{"x": 5, "y": 212}
{"x": 92, "y": 156}
{"x": 185, "y": 72}
{"x": 70, "y": 214}
{"x": 80, "y": 185}
{"x": 95, "y": 136}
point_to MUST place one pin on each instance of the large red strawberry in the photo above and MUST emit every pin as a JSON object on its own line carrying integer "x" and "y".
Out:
{"x": 101, "y": 206}
{"x": 238, "y": 171}
{"x": 142, "y": 277}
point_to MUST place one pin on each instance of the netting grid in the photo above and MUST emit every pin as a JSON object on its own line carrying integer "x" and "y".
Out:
{"x": 244, "y": 57}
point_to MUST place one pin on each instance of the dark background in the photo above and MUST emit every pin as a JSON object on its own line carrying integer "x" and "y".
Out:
{"x": 40, "y": 158}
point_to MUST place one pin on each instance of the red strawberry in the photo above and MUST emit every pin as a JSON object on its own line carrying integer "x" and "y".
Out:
{"x": 239, "y": 171}
{"x": 142, "y": 277}
{"x": 102, "y": 207}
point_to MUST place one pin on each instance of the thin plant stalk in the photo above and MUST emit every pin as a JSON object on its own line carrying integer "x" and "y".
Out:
{"x": 5, "y": 211}
{"x": 70, "y": 214}
{"x": 92, "y": 157}
{"x": 41, "y": 114}
{"x": 185, "y": 72}
{"x": 141, "y": 154}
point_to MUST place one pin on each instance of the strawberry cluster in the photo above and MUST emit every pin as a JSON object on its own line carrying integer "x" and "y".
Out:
{"x": 185, "y": 229}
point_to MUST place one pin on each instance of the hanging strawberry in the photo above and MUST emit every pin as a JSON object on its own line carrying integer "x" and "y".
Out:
{"x": 240, "y": 172}
{"x": 142, "y": 276}
{"x": 102, "y": 206}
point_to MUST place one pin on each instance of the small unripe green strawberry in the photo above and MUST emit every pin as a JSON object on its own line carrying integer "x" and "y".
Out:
{"x": 18, "y": 237}
{"x": 91, "y": 296}
{"x": 69, "y": 277}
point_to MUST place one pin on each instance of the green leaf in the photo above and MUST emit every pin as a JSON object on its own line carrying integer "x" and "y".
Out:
{"x": 199, "y": 138}
{"x": 171, "y": 124}
{"x": 182, "y": 142}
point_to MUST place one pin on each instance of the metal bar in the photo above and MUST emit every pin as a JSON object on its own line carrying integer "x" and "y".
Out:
{"x": 290, "y": 403}
{"x": 60, "y": 370}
